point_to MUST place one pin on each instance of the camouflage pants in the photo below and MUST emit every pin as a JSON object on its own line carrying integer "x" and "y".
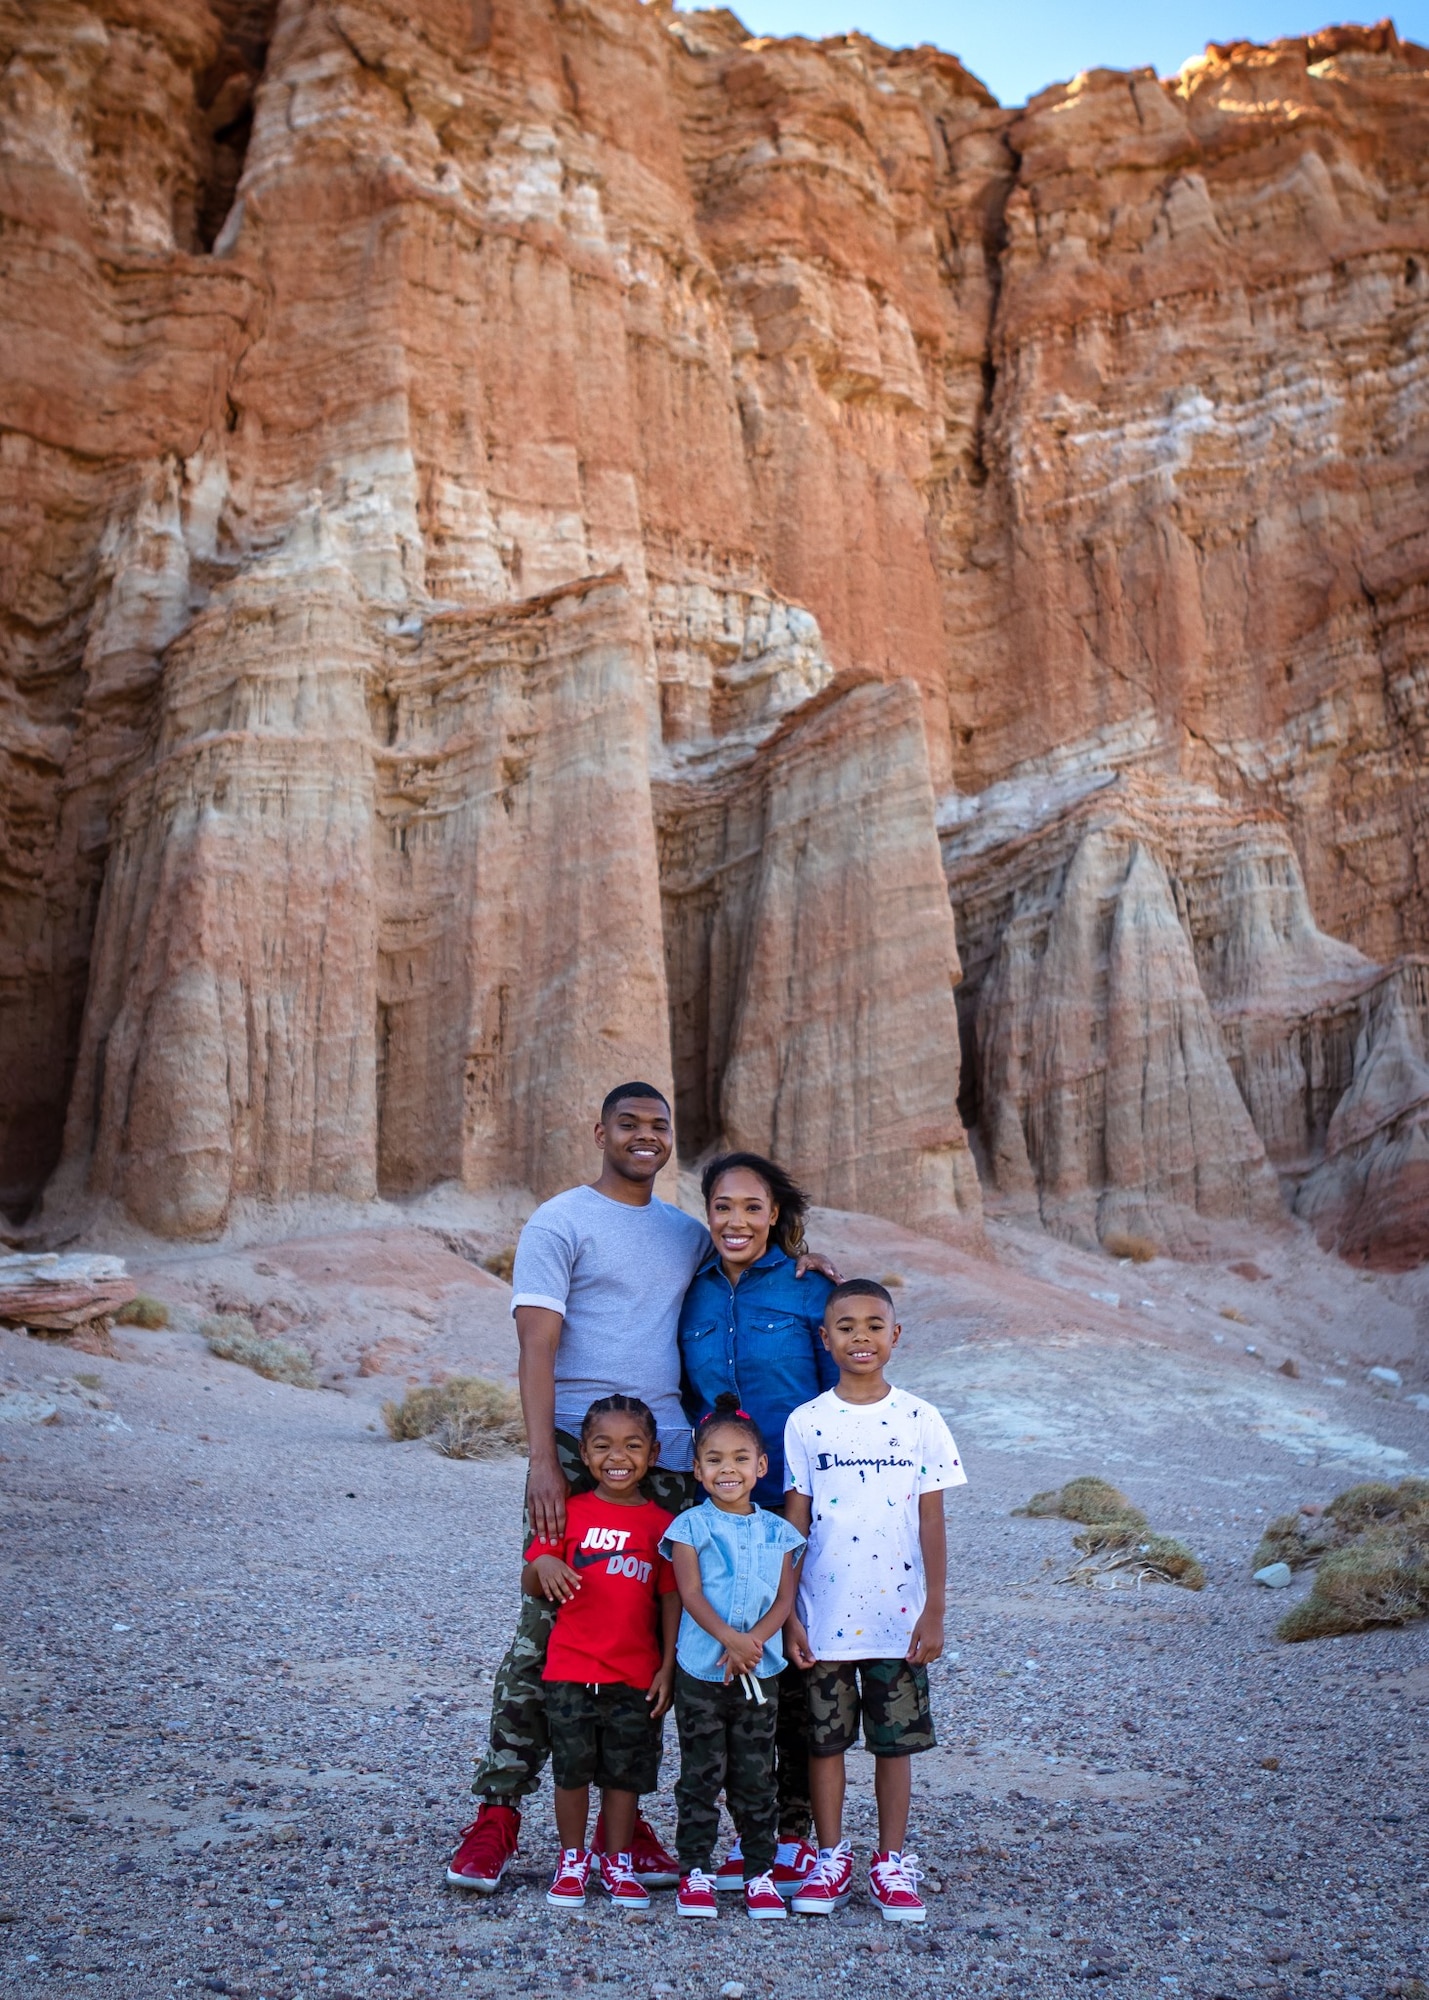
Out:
{"x": 519, "y": 1739}
{"x": 726, "y": 1744}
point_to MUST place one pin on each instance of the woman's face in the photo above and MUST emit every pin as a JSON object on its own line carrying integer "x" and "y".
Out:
{"x": 741, "y": 1215}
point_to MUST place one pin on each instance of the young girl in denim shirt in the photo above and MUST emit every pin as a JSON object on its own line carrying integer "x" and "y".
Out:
{"x": 735, "y": 1570}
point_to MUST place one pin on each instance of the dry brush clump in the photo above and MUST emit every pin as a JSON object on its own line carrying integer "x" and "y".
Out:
{"x": 1370, "y": 1552}
{"x": 1094, "y": 1502}
{"x": 465, "y": 1417}
{"x": 233, "y": 1337}
{"x": 145, "y": 1311}
{"x": 1123, "y": 1243}
{"x": 1116, "y": 1535}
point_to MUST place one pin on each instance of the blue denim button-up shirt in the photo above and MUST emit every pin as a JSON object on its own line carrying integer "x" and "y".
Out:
{"x": 741, "y": 1561}
{"x": 761, "y": 1339}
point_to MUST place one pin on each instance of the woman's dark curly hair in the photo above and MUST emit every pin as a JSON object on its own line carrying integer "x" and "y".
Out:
{"x": 787, "y": 1196}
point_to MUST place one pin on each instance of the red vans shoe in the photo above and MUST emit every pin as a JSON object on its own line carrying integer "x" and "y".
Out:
{"x": 488, "y": 1847}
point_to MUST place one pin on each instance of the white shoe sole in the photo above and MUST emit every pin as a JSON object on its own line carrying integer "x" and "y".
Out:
{"x": 825, "y": 1907}
{"x": 905, "y": 1916}
{"x": 484, "y": 1885}
{"x": 767, "y": 1916}
{"x": 695, "y": 1913}
{"x": 564, "y": 1902}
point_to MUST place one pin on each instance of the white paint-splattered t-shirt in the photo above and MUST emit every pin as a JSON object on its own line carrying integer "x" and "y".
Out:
{"x": 864, "y": 1467}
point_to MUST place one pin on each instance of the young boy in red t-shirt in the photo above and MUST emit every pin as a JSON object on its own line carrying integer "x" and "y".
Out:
{"x": 610, "y": 1666}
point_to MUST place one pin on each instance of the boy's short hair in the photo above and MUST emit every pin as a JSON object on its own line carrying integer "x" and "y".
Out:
{"x": 624, "y": 1090}
{"x": 858, "y": 1288}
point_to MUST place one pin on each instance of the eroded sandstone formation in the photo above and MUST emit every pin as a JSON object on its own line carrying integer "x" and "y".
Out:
{"x": 515, "y": 512}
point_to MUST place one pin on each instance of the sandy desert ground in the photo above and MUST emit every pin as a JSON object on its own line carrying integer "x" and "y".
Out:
{"x": 248, "y": 1644}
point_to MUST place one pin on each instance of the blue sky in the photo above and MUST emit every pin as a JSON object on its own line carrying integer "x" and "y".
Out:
{"x": 1020, "y": 45}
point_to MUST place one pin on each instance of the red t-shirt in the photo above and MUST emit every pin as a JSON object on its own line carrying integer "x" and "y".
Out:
{"x": 610, "y": 1630}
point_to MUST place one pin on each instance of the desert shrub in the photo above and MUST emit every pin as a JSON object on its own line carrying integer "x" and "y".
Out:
{"x": 143, "y": 1311}
{"x": 1088, "y": 1499}
{"x": 466, "y": 1417}
{"x": 1160, "y": 1556}
{"x": 501, "y": 1263}
{"x": 1301, "y": 1540}
{"x": 233, "y": 1337}
{"x": 1380, "y": 1579}
{"x": 1123, "y": 1243}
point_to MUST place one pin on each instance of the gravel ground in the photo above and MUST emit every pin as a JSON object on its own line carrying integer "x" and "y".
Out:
{"x": 247, "y": 1653}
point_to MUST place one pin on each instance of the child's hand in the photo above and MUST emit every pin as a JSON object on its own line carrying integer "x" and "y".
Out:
{"x": 661, "y": 1692}
{"x": 741, "y": 1655}
{"x": 796, "y": 1644}
{"x": 557, "y": 1579}
{"x": 927, "y": 1641}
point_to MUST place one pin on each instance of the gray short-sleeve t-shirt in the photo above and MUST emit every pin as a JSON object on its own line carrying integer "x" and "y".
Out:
{"x": 618, "y": 1275}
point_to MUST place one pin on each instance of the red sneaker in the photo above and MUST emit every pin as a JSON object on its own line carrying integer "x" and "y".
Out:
{"x": 695, "y": 1896}
{"x": 568, "y": 1885}
{"x": 729, "y": 1876}
{"x": 617, "y": 1878}
{"x": 488, "y": 1847}
{"x": 829, "y": 1884}
{"x": 793, "y": 1864}
{"x": 892, "y": 1882}
{"x": 650, "y": 1863}
{"x": 762, "y": 1900}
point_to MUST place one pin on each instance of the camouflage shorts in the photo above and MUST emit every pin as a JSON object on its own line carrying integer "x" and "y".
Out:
{"x": 602, "y": 1736}
{"x": 891, "y": 1696}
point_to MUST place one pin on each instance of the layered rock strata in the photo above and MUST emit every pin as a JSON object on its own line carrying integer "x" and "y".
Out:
{"x": 426, "y": 430}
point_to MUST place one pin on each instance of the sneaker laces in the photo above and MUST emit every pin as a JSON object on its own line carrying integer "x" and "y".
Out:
{"x": 697, "y": 1879}
{"x": 828, "y": 1866}
{"x": 618, "y": 1868}
{"x": 761, "y": 1884}
{"x": 899, "y": 1871}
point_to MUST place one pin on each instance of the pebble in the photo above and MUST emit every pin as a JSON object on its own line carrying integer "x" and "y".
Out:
{"x": 733, "y": 1989}
{"x": 1391, "y": 1377}
{"x": 1275, "y": 1576}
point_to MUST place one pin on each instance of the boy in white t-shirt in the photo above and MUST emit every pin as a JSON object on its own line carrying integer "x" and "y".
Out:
{"x": 867, "y": 1466}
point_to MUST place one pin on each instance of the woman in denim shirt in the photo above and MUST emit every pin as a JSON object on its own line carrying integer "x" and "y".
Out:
{"x": 751, "y": 1327}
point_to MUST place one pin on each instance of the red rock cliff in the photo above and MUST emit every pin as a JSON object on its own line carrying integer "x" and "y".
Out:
{"x": 467, "y": 468}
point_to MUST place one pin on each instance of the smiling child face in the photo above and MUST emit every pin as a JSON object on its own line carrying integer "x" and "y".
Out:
{"x": 728, "y": 1464}
{"x": 618, "y": 1452}
{"x": 861, "y": 1333}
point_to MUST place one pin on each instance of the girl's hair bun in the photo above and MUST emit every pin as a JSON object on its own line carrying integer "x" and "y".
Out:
{"x": 726, "y": 1415}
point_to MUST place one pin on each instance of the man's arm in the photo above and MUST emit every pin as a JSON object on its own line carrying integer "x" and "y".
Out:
{"x": 538, "y": 1329}
{"x": 927, "y": 1641}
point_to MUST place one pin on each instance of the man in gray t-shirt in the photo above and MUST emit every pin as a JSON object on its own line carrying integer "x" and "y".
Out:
{"x": 617, "y": 1274}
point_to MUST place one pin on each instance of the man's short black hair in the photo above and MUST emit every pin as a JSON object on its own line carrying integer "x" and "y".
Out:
{"x": 858, "y": 1288}
{"x": 624, "y": 1090}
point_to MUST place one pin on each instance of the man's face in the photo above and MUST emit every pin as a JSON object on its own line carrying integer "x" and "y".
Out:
{"x": 861, "y": 1334}
{"x": 637, "y": 1139}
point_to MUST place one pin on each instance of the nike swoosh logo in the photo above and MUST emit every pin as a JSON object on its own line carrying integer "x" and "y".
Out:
{"x": 583, "y": 1558}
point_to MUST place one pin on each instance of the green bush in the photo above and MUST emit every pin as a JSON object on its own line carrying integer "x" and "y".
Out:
{"x": 144, "y": 1311}
{"x": 466, "y": 1417}
{"x": 233, "y": 1337}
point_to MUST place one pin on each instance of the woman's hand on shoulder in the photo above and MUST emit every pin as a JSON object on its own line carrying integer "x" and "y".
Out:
{"x": 810, "y": 1260}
